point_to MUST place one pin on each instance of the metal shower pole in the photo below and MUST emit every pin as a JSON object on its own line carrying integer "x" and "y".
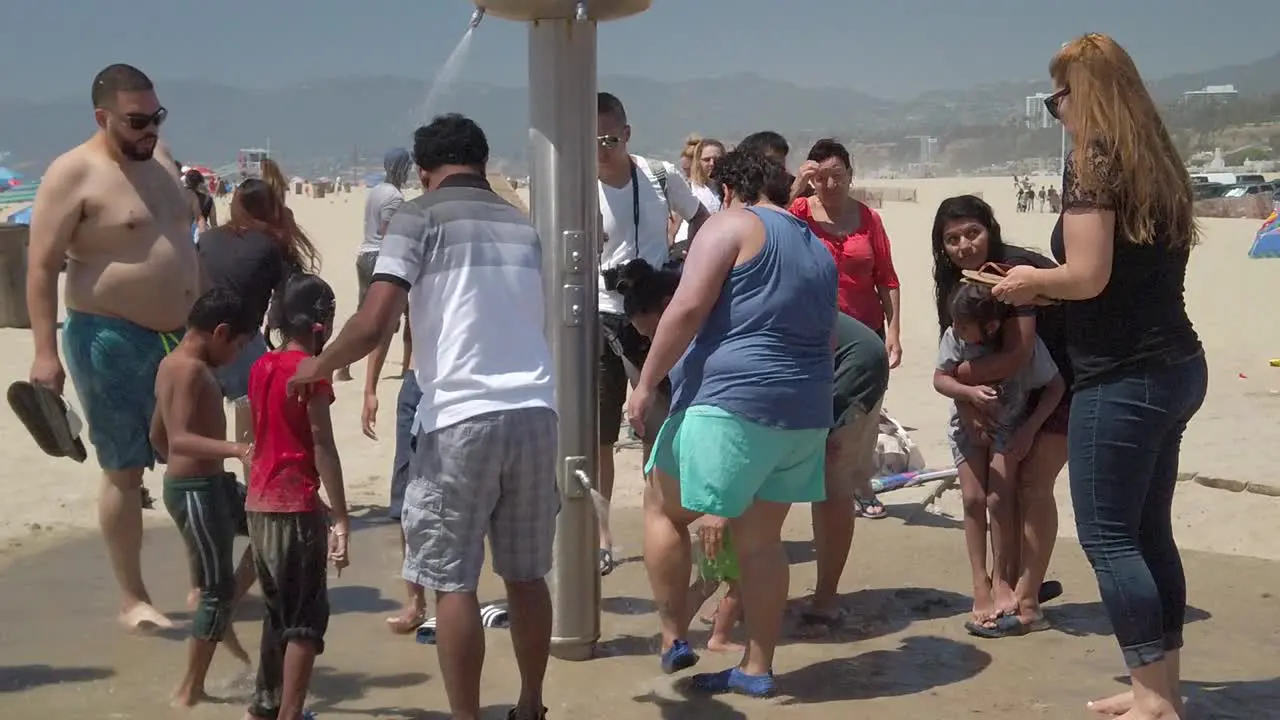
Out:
{"x": 565, "y": 208}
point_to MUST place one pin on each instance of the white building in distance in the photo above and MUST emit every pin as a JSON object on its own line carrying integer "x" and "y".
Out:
{"x": 1210, "y": 95}
{"x": 1036, "y": 115}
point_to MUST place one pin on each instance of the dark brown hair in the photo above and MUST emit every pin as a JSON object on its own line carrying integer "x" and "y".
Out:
{"x": 255, "y": 207}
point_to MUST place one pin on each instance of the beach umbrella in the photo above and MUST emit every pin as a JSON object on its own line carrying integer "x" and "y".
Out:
{"x": 6, "y": 175}
{"x": 1266, "y": 244}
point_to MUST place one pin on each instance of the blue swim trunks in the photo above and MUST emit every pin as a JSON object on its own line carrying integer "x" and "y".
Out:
{"x": 113, "y": 364}
{"x": 724, "y": 462}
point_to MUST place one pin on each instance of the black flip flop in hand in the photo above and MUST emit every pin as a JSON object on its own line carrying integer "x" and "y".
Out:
{"x": 47, "y": 417}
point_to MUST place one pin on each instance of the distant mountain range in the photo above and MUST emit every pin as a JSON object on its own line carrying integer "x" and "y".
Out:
{"x": 318, "y": 126}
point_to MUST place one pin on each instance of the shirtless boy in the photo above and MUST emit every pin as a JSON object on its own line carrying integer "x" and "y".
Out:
{"x": 113, "y": 210}
{"x": 188, "y": 431}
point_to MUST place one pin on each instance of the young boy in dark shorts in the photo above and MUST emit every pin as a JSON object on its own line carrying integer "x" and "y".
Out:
{"x": 188, "y": 431}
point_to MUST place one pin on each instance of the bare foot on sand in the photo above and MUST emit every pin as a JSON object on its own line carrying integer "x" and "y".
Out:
{"x": 141, "y": 617}
{"x": 1121, "y": 705}
{"x": 1117, "y": 704}
{"x": 1164, "y": 713}
{"x": 407, "y": 621}
{"x": 720, "y": 645}
{"x": 185, "y": 698}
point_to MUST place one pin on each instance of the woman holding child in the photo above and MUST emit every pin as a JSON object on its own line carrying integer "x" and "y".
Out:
{"x": 1024, "y": 515}
{"x": 1123, "y": 241}
{"x": 746, "y": 340}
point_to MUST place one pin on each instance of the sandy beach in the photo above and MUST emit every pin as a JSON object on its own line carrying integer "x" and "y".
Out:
{"x": 905, "y": 655}
{"x": 1235, "y": 436}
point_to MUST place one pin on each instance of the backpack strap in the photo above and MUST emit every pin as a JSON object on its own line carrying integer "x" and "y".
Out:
{"x": 659, "y": 170}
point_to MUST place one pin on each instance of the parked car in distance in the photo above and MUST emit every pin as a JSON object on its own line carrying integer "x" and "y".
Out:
{"x": 1239, "y": 191}
{"x": 1207, "y": 190}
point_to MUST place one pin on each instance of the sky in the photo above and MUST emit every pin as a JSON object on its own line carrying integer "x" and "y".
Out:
{"x": 894, "y": 50}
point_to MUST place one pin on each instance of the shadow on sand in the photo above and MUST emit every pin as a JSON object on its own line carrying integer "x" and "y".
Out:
{"x": 18, "y": 678}
{"x": 1090, "y": 618}
{"x": 330, "y": 689}
{"x": 919, "y": 664}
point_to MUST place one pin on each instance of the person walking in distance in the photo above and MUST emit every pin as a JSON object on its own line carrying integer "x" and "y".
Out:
{"x": 379, "y": 205}
{"x": 637, "y": 198}
{"x": 114, "y": 210}
{"x": 469, "y": 267}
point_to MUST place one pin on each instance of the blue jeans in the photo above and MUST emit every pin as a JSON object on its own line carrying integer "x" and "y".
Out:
{"x": 406, "y": 408}
{"x": 1123, "y": 441}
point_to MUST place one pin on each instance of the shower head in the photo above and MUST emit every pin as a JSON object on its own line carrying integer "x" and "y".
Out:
{"x": 476, "y": 17}
{"x": 580, "y": 13}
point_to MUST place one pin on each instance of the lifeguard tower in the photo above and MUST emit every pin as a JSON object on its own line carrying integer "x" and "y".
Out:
{"x": 250, "y": 162}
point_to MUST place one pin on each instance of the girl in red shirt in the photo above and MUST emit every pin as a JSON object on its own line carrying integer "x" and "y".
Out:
{"x": 857, "y": 240}
{"x": 289, "y": 525}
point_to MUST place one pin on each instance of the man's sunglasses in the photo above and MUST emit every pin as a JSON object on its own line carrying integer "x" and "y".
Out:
{"x": 1052, "y": 102}
{"x": 608, "y": 142}
{"x": 142, "y": 121}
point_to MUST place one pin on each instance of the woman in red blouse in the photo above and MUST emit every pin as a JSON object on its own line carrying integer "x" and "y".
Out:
{"x": 857, "y": 240}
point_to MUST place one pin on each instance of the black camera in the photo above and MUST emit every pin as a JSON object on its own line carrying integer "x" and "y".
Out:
{"x": 610, "y": 277}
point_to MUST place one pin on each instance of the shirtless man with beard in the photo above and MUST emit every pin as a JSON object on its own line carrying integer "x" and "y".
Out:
{"x": 113, "y": 209}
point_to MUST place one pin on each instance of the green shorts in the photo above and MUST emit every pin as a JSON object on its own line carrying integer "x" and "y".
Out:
{"x": 724, "y": 463}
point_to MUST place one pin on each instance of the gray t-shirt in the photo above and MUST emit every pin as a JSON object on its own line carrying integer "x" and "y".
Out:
{"x": 1040, "y": 371}
{"x": 381, "y": 203}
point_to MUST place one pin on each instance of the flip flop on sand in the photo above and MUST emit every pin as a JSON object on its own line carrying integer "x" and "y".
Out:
{"x": 1006, "y": 626}
{"x": 871, "y": 508}
{"x": 55, "y": 428}
{"x": 1049, "y": 590}
{"x": 491, "y": 616}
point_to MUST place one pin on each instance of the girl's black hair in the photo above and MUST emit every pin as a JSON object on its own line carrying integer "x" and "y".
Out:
{"x": 828, "y": 148}
{"x": 644, "y": 288}
{"x": 303, "y": 311}
{"x": 946, "y": 276}
{"x": 974, "y": 303}
{"x": 751, "y": 176}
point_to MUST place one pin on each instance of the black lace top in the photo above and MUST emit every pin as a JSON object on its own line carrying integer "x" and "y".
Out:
{"x": 1140, "y": 318}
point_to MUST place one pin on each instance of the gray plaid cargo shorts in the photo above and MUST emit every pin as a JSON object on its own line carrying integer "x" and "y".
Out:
{"x": 495, "y": 475}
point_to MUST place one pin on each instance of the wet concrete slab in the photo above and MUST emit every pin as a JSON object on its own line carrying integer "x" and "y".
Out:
{"x": 904, "y": 654}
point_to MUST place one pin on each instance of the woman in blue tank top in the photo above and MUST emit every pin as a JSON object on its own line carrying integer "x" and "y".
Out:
{"x": 747, "y": 342}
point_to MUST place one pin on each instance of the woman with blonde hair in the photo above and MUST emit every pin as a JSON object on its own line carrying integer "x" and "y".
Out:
{"x": 706, "y": 154}
{"x": 1123, "y": 240}
{"x": 274, "y": 177}
{"x": 688, "y": 154}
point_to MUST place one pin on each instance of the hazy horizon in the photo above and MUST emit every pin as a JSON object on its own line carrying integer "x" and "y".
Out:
{"x": 892, "y": 51}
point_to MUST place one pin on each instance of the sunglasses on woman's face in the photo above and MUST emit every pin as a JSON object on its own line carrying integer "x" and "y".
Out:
{"x": 608, "y": 142}
{"x": 1052, "y": 103}
{"x": 142, "y": 121}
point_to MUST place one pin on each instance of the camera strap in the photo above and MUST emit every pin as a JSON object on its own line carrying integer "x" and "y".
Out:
{"x": 635, "y": 205}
